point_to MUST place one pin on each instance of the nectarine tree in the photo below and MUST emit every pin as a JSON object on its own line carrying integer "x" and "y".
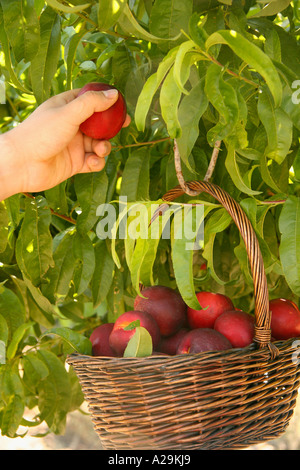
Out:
{"x": 206, "y": 78}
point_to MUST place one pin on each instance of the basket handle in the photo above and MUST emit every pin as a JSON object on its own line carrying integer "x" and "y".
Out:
{"x": 262, "y": 334}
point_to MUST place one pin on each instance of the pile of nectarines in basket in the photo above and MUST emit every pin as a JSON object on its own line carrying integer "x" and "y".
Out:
{"x": 176, "y": 328}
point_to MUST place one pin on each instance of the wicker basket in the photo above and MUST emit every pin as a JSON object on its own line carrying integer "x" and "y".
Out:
{"x": 212, "y": 400}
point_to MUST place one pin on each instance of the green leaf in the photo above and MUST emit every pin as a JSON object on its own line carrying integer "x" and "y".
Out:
{"x": 8, "y": 59}
{"x": 44, "y": 65}
{"x": 59, "y": 276}
{"x": 12, "y": 416}
{"x": 289, "y": 249}
{"x": 34, "y": 243}
{"x": 85, "y": 263}
{"x": 11, "y": 309}
{"x": 183, "y": 62}
{"x": 76, "y": 340}
{"x": 290, "y": 104}
{"x": 74, "y": 9}
{"x": 140, "y": 344}
{"x": 234, "y": 172}
{"x": 217, "y": 223}
{"x": 132, "y": 325}
{"x": 151, "y": 86}
{"x": 168, "y": 18}
{"x": 4, "y": 221}
{"x": 17, "y": 338}
{"x": 35, "y": 370}
{"x": 54, "y": 392}
{"x": 109, "y": 12}
{"x": 131, "y": 26}
{"x": 22, "y": 27}
{"x": 10, "y": 383}
{"x": 253, "y": 56}
{"x": 91, "y": 190}
{"x": 278, "y": 126}
{"x": 170, "y": 96}
{"x": 223, "y": 97}
{"x": 145, "y": 269}
{"x": 196, "y": 31}
{"x": 183, "y": 245}
{"x": 103, "y": 273}
{"x": 3, "y": 330}
{"x": 271, "y": 8}
{"x": 136, "y": 178}
{"x": 190, "y": 111}
{"x": 70, "y": 54}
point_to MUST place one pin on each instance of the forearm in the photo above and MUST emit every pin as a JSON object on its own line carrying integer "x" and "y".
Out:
{"x": 10, "y": 168}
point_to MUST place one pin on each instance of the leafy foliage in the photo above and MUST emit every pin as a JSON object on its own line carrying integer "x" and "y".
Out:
{"x": 198, "y": 71}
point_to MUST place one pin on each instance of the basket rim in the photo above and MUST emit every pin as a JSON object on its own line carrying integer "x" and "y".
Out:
{"x": 232, "y": 354}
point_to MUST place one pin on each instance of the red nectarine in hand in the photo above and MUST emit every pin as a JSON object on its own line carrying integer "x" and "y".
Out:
{"x": 237, "y": 326}
{"x": 212, "y": 306}
{"x": 100, "y": 340}
{"x": 165, "y": 305}
{"x": 119, "y": 336}
{"x": 285, "y": 319}
{"x": 203, "y": 339}
{"x": 104, "y": 125}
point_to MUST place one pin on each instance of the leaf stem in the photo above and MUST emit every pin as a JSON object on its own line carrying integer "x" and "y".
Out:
{"x": 61, "y": 216}
{"x": 139, "y": 144}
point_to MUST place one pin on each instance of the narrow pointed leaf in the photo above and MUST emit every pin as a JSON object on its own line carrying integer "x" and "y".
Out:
{"x": 253, "y": 56}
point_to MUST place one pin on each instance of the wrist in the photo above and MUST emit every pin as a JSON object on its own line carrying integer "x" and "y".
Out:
{"x": 10, "y": 166}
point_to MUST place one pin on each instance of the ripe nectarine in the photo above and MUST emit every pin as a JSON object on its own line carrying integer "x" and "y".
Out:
{"x": 203, "y": 339}
{"x": 100, "y": 340}
{"x": 212, "y": 306}
{"x": 170, "y": 344}
{"x": 285, "y": 319}
{"x": 237, "y": 326}
{"x": 104, "y": 125}
{"x": 119, "y": 337}
{"x": 165, "y": 305}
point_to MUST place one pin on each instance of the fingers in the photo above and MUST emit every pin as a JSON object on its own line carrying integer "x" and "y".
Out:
{"x": 93, "y": 163}
{"x": 127, "y": 121}
{"x": 94, "y": 159}
{"x": 82, "y": 107}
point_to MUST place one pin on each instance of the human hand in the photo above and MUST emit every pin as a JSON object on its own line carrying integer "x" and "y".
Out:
{"x": 48, "y": 147}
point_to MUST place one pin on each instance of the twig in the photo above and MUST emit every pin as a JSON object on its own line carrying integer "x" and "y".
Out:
{"x": 208, "y": 174}
{"x": 140, "y": 144}
{"x": 61, "y": 216}
{"x": 213, "y": 160}
{"x": 177, "y": 161}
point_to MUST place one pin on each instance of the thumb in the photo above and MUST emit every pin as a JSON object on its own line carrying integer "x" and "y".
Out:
{"x": 82, "y": 107}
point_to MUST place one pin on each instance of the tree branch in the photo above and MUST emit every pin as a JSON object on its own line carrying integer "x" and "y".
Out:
{"x": 213, "y": 160}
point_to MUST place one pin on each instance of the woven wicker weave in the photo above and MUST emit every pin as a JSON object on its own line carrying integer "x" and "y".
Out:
{"x": 212, "y": 400}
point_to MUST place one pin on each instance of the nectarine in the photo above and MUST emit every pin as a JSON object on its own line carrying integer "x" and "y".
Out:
{"x": 285, "y": 319}
{"x": 203, "y": 339}
{"x": 100, "y": 340}
{"x": 119, "y": 337}
{"x": 165, "y": 305}
{"x": 170, "y": 344}
{"x": 213, "y": 305}
{"x": 104, "y": 124}
{"x": 237, "y": 326}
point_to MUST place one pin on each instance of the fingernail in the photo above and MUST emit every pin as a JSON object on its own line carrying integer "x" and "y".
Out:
{"x": 111, "y": 93}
